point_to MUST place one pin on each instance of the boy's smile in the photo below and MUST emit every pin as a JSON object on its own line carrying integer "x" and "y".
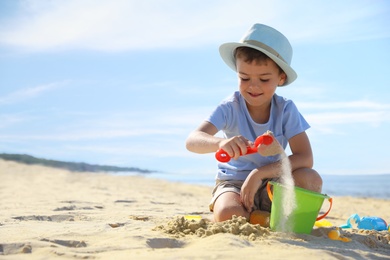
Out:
{"x": 255, "y": 94}
{"x": 258, "y": 82}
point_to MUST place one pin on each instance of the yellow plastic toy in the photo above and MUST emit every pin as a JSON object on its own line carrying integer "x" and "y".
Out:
{"x": 335, "y": 235}
{"x": 192, "y": 217}
{"x": 323, "y": 223}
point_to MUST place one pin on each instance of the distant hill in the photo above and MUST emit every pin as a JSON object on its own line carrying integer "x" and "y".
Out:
{"x": 71, "y": 166}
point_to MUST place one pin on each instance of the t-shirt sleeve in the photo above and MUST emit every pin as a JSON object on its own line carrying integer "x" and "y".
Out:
{"x": 294, "y": 123}
{"x": 219, "y": 117}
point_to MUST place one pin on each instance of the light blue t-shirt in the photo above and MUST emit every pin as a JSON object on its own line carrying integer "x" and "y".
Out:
{"x": 232, "y": 118}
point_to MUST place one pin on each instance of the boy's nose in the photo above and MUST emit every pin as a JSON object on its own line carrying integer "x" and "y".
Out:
{"x": 255, "y": 83}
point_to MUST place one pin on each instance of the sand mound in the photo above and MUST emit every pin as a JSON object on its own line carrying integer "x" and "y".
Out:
{"x": 180, "y": 227}
{"x": 371, "y": 238}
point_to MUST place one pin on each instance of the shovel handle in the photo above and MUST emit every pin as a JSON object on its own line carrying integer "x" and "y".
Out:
{"x": 222, "y": 156}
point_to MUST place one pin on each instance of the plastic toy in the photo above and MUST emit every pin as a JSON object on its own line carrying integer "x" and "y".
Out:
{"x": 260, "y": 217}
{"x": 222, "y": 156}
{"x": 323, "y": 223}
{"x": 368, "y": 223}
{"x": 335, "y": 235}
{"x": 192, "y": 217}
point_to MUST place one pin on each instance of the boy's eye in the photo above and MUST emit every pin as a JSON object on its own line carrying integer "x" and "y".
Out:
{"x": 244, "y": 79}
{"x": 264, "y": 80}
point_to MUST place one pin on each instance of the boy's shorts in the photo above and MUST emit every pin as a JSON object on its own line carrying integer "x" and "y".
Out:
{"x": 261, "y": 202}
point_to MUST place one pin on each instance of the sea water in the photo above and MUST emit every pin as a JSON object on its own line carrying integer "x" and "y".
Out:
{"x": 363, "y": 186}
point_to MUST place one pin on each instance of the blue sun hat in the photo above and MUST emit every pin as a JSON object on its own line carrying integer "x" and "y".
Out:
{"x": 267, "y": 40}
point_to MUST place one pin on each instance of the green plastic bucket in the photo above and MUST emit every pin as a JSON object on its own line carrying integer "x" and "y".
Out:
{"x": 302, "y": 218}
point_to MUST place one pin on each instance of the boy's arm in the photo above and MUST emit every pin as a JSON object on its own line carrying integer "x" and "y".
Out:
{"x": 302, "y": 155}
{"x": 202, "y": 140}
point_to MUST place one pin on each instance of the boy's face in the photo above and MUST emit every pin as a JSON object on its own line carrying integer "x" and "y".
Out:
{"x": 258, "y": 81}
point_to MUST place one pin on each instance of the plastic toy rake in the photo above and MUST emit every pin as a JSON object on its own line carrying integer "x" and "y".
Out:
{"x": 222, "y": 156}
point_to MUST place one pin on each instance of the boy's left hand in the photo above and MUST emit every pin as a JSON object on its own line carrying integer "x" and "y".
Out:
{"x": 249, "y": 188}
{"x": 270, "y": 149}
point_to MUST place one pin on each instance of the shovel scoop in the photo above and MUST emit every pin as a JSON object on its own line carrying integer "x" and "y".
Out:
{"x": 265, "y": 145}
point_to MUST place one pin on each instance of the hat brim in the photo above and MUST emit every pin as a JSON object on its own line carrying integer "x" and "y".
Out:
{"x": 226, "y": 51}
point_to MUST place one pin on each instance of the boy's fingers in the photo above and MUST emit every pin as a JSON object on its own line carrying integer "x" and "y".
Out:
{"x": 236, "y": 152}
{"x": 247, "y": 202}
{"x": 243, "y": 146}
{"x": 250, "y": 204}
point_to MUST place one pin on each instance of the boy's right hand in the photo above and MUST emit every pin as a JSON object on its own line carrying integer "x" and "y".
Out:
{"x": 235, "y": 146}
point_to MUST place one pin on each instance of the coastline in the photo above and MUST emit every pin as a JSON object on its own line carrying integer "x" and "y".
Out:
{"x": 360, "y": 186}
{"x": 52, "y": 213}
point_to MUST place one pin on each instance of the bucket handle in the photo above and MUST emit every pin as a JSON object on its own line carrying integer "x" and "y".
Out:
{"x": 326, "y": 213}
{"x": 270, "y": 195}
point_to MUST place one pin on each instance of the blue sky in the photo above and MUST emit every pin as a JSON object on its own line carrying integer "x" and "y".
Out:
{"x": 123, "y": 82}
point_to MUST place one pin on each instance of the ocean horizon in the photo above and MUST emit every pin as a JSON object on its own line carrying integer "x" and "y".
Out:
{"x": 368, "y": 185}
{"x": 358, "y": 185}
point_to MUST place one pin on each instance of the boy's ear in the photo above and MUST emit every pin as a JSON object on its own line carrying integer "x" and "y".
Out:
{"x": 283, "y": 78}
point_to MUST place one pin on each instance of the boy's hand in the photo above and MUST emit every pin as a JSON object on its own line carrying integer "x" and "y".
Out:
{"x": 248, "y": 190}
{"x": 270, "y": 149}
{"x": 235, "y": 146}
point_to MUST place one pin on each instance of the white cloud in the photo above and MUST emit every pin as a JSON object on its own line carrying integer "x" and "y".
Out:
{"x": 357, "y": 104}
{"x": 136, "y": 149}
{"x": 337, "y": 21}
{"x": 138, "y": 125}
{"x": 29, "y": 93}
{"x": 125, "y": 25}
{"x": 333, "y": 117}
{"x": 8, "y": 120}
{"x": 373, "y": 118}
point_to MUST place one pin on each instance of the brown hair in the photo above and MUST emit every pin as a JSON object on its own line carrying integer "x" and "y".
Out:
{"x": 249, "y": 55}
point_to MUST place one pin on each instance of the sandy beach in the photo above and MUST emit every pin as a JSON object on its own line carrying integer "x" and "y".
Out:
{"x": 50, "y": 213}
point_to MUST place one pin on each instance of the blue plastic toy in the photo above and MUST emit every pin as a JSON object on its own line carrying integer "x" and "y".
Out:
{"x": 368, "y": 223}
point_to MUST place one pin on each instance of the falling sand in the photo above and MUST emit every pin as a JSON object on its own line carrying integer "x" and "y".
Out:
{"x": 288, "y": 193}
{"x": 286, "y": 179}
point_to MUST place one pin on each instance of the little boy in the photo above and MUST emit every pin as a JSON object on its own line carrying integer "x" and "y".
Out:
{"x": 262, "y": 61}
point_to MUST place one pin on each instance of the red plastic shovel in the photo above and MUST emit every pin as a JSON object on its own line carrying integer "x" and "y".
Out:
{"x": 222, "y": 156}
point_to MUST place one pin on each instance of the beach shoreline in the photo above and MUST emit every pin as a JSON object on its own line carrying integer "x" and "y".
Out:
{"x": 53, "y": 213}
